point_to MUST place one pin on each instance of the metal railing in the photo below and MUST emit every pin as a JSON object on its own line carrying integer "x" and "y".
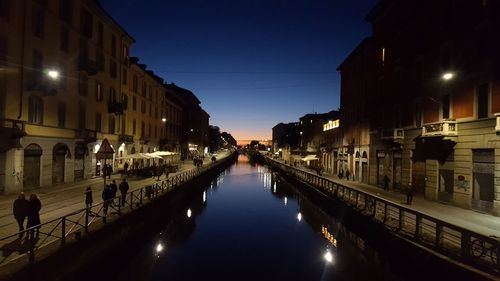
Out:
{"x": 458, "y": 243}
{"x": 73, "y": 226}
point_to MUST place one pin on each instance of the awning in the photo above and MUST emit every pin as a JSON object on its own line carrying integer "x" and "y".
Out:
{"x": 310, "y": 157}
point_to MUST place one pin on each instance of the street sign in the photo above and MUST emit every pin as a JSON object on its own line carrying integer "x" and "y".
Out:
{"x": 105, "y": 151}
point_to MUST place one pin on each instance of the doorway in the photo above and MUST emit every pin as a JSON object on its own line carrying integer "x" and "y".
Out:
{"x": 58, "y": 163}
{"x": 31, "y": 174}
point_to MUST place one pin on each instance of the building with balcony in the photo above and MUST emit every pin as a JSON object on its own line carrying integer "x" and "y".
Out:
{"x": 66, "y": 83}
{"x": 431, "y": 81}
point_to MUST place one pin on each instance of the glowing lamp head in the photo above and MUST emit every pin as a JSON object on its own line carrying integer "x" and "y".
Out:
{"x": 53, "y": 74}
{"x": 328, "y": 256}
{"x": 164, "y": 120}
{"x": 448, "y": 76}
{"x": 159, "y": 248}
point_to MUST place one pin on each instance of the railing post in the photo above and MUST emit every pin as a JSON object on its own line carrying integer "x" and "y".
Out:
{"x": 385, "y": 212}
{"x": 131, "y": 195}
{"x": 119, "y": 205}
{"x": 439, "y": 232}
{"x": 400, "y": 222}
{"x": 87, "y": 219}
{"x": 63, "y": 231}
{"x": 140, "y": 197}
{"x": 465, "y": 245}
{"x": 418, "y": 221}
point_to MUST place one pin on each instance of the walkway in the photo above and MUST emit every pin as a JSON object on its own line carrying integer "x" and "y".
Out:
{"x": 481, "y": 223}
{"x": 63, "y": 199}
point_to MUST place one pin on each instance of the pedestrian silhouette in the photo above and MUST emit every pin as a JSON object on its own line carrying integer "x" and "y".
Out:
{"x": 114, "y": 189}
{"x": 88, "y": 197}
{"x": 123, "y": 190}
{"x": 34, "y": 216}
{"x": 409, "y": 194}
{"x": 20, "y": 210}
{"x": 386, "y": 183}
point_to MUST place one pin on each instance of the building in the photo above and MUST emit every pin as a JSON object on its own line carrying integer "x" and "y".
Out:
{"x": 286, "y": 136}
{"x": 433, "y": 98}
{"x": 195, "y": 122}
{"x": 311, "y": 128}
{"x": 67, "y": 82}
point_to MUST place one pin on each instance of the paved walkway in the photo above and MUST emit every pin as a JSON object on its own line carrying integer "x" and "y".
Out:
{"x": 481, "y": 223}
{"x": 63, "y": 199}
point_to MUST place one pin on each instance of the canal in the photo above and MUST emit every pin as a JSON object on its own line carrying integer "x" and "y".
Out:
{"x": 247, "y": 224}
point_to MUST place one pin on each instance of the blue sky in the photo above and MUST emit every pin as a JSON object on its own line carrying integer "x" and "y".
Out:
{"x": 252, "y": 63}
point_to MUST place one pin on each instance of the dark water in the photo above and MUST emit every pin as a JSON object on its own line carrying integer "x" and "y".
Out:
{"x": 249, "y": 224}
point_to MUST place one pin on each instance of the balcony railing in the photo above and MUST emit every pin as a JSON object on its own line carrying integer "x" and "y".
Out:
{"x": 126, "y": 138}
{"x": 86, "y": 135}
{"x": 396, "y": 135}
{"x": 88, "y": 65}
{"x": 447, "y": 128}
{"x": 115, "y": 107}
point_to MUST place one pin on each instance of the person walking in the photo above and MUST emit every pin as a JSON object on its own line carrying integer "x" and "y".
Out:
{"x": 20, "y": 210}
{"x": 88, "y": 197}
{"x": 34, "y": 215}
{"x": 125, "y": 168}
{"x": 347, "y": 174}
{"x": 409, "y": 194}
{"x": 386, "y": 183}
{"x": 123, "y": 190}
{"x": 106, "y": 196}
{"x": 113, "y": 190}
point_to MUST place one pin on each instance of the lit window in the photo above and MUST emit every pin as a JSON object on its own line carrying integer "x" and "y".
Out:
{"x": 382, "y": 56}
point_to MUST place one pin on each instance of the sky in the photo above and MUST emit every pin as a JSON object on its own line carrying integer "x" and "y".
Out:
{"x": 251, "y": 63}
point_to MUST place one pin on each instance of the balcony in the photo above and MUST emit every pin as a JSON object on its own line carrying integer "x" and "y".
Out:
{"x": 395, "y": 135}
{"x": 87, "y": 65}
{"x": 86, "y": 135}
{"x": 126, "y": 138}
{"x": 446, "y": 128}
{"x": 115, "y": 107}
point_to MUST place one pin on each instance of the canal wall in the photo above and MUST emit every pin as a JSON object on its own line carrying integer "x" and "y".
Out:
{"x": 92, "y": 256}
{"x": 406, "y": 255}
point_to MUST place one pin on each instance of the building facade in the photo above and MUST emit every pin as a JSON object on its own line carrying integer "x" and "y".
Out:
{"x": 66, "y": 83}
{"x": 433, "y": 90}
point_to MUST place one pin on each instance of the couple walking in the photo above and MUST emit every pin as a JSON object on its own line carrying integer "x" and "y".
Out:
{"x": 30, "y": 209}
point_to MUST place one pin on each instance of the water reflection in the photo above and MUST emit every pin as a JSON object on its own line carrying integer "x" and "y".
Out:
{"x": 242, "y": 231}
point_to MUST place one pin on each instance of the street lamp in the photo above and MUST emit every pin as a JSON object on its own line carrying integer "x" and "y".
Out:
{"x": 164, "y": 120}
{"x": 448, "y": 76}
{"x": 53, "y": 74}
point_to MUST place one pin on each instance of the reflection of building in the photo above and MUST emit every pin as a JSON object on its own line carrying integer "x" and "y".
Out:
{"x": 420, "y": 96}
{"x": 66, "y": 83}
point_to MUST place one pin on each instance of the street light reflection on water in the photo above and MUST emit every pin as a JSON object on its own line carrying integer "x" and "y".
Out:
{"x": 244, "y": 227}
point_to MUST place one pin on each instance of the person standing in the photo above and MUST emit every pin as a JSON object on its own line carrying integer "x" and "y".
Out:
{"x": 88, "y": 197}
{"x": 125, "y": 167}
{"x": 34, "y": 215}
{"x": 386, "y": 183}
{"x": 409, "y": 194}
{"x": 113, "y": 190}
{"x": 123, "y": 190}
{"x": 347, "y": 174}
{"x": 106, "y": 195}
{"x": 20, "y": 210}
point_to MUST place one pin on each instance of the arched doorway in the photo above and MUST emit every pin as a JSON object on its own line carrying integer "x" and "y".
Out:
{"x": 58, "y": 163}
{"x": 364, "y": 167}
{"x": 31, "y": 175}
{"x": 80, "y": 152}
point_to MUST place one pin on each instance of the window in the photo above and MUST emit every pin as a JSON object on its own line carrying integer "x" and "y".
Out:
{"x": 61, "y": 115}
{"x": 123, "y": 127}
{"x": 100, "y": 35}
{"x": 149, "y": 130}
{"x": 111, "y": 124}
{"x": 64, "y": 44}
{"x": 66, "y": 11}
{"x": 143, "y": 106}
{"x": 113, "y": 46}
{"x": 83, "y": 84}
{"x": 5, "y": 10}
{"x": 133, "y": 127}
{"x": 134, "y": 103}
{"x": 86, "y": 20}
{"x": 382, "y": 56}
{"x": 112, "y": 94}
{"x": 150, "y": 92}
{"x": 156, "y": 112}
{"x": 98, "y": 121}
{"x": 98, "y": 91}
{"x": 38, "y": 22}
{"x": 112, "y": 69}
{"x": 143, "y": 131}
{"x": 482, "y": 100}
{"x": 125, "y": 54}
{"x": 100, "y": 61}
{"x": 445, "y": 102}
{"x": 35, "y": 110}
{"x": 150, "y": 110}
{"x": 82, "y": 116}
{"x": 37, "y": 67}
{"x": 125, "y": 101}
{"x": 124, "y": 76}
{"x": 156, "y": 131}
{"x": 134, "y": 84}
{"x": 143, "y": 90}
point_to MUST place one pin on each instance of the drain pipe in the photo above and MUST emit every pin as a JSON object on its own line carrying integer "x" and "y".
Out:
{"x": 21, "y": 83}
